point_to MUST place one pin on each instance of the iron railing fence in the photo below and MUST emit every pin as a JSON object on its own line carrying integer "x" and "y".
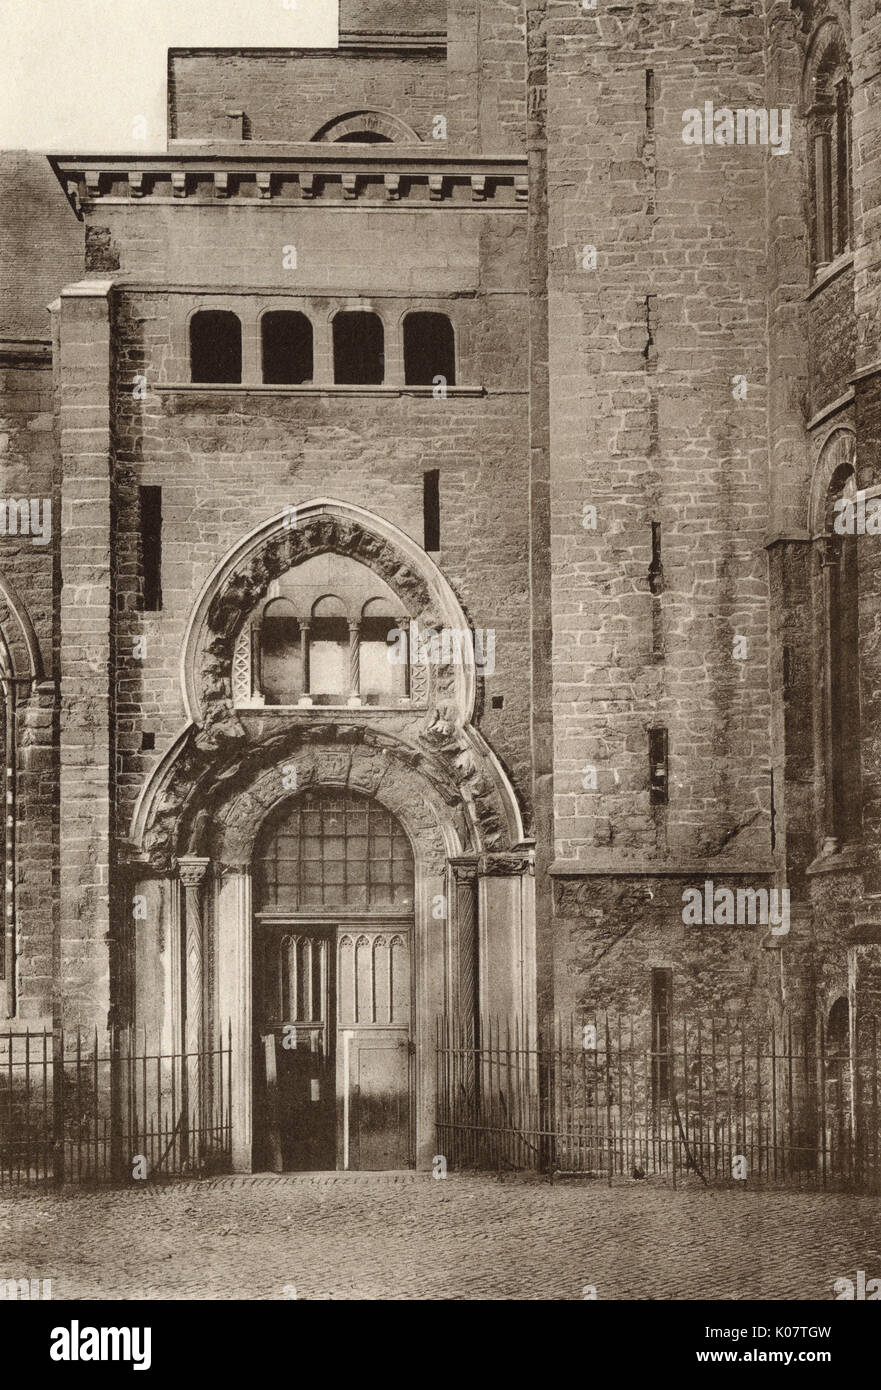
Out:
{"x": 722, "y": 1099}
{"x": 72, "y": 1109}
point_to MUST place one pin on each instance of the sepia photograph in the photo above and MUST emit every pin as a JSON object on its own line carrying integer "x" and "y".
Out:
{"x": 440, "y": 667}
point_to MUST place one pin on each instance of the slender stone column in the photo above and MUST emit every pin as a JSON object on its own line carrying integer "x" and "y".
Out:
{"x": 465, "y": 985}
{"x": 354, "y": 663}
{"x": 305, "y": 628}
{"x": 234, "y": 925}
{"x": 257, "y": 660}
{"x": 192, "y": 872}
{"x": 404, "y": 627}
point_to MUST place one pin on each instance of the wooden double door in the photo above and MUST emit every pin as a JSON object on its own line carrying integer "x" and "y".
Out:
{"x": 334, "y": 1052}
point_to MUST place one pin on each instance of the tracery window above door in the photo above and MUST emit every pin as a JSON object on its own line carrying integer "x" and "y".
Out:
{"x": 330, "y": 633}
{"x": 334, "y": 849}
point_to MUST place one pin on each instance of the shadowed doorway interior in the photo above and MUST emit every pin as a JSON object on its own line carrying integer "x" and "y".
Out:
{"x": 333, "y": 987}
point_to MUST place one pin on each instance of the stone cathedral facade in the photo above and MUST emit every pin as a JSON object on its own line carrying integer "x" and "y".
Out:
{"x": 438, "y": 539}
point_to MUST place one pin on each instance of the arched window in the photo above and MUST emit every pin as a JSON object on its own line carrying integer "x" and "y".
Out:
{"x": 358, "y": 349}
{"x": 287, "y": 348}
{"x": 281, "y": 654}
{"x": 384, "y": 665}
{"x": 840, "y": 588}
{"x": 429, "y": 349}
{"x": 827, "y": 95}
{"x": 334, "y": 849}
{"x": 215, "y": 346}
{"x": 329, "y": 659}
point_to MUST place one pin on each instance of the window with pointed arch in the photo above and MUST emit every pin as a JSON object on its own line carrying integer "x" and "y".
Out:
{"x": 841, "y": 682}
{"x": 827, "y": 99}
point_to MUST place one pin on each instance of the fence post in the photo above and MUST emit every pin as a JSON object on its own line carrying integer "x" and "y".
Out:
{"x": 58, "y": 1104}
{"x": 116, "y": 1146}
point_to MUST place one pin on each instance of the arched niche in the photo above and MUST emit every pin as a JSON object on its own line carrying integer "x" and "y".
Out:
{"x": 367, "y": 127}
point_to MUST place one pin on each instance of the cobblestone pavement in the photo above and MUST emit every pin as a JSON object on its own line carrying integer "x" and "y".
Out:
{"x": 406, "y": 1236}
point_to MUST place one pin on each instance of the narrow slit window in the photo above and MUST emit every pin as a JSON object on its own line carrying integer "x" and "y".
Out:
{"x": 358, "y": 349}
{"x": 658, "y": 767}
{"x": 151, "y": 547}
{"x": 431, "y": 508}
{"x": 656, "y": 569}
{"x": 287, "y": 348}
{"x": 216, "y": 346}
{"x": 429, "y": 350}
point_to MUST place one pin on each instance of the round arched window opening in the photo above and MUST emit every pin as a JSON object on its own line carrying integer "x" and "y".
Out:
{"x": 333, "y": 850}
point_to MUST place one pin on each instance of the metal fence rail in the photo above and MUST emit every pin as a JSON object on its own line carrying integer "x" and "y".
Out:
{"x": 723, "y": 1099}
{"x": 72, "y": 1110}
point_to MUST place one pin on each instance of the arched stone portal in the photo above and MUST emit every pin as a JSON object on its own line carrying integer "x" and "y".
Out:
{"x": 444, "y": 946}
{"x": 236, "y": 767}
{"x": 334, "y": 986}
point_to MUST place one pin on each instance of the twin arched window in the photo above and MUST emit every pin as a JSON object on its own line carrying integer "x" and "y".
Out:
{"x": 328, "y": 656}
{"x": 287, "y": 343}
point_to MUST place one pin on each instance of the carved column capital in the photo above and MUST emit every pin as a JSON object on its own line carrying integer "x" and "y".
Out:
{"x": 464, "y": 870}
{"x": 192, "y": 869}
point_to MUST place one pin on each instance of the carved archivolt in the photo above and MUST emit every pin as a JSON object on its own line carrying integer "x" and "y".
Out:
{"x": 837, "y": 455}
{"x": 420, "y": 809}
{"x": 18, "y": 636}
{"x": 219, "y": 752}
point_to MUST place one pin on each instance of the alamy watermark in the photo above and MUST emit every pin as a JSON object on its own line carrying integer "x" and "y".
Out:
{"x": 857, "y": 516}
{"x": 30, "y": 1289}
{"x": 748, "y": 125}
{"x": 25, "y": 518}
{"x": 742, "y": 907}
{"x": 442, "y": 647}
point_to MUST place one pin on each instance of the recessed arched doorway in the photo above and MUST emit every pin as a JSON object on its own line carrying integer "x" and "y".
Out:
{"x": 333, "y": 986}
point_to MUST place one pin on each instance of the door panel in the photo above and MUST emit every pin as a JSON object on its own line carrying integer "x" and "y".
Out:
{"x": 333, "y": 1067}
{"x": 296, "y": 1041}
{"x": 373, "y": 1049}
{"x": 379, "y": 1126}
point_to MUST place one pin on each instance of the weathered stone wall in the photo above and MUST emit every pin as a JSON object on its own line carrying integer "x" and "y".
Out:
{"x": 290, "y": 95}
{"x": 41, "y": 244}
{"x": 87, "y": 668}
{"x": 831, "y": 336}
{"x": 478, "y": 82}
{"x": 392, "y": 17}
{"x": 646, "y": 427}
